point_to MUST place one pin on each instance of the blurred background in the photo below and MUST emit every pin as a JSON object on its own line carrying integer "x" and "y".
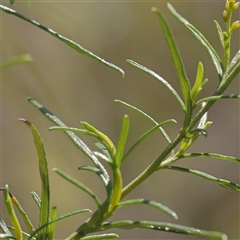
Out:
{"x": 77, "y": 88}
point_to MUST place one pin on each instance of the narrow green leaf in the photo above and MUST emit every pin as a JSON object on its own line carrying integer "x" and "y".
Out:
{"x": 178, "y": 64}
{"x": 122, "y": 140}
{"x": 11, "y": 213}
{"x": 105, "y": 139}
{"x": 98, "y": 171}
{"x": 228, "y": 77}
{"x": 197, "y": 88}
{"x": 146, "y": 116}
{"x": 222, "y": 182}
{"x": 146, "y": 134}
{"x": 79, "y": 185}
{"x": 210, "y": 155}
{"x": 45, "y": 191}
{"x": 161, "y": 226}
{"x": 203, "y": 119}
{"x": 104, "y": 150}
{"x": 101, "y": 236}
{"x": 58, "y": 219}
{"x": 25, "y": 235}
{"x": 6, "y": 236}
{"x": 51, "y": 228}
{"x": 220, "y": 33}
{"x": 25, "y": 217}
{"x": 16, "y": 60}
{"x": 234, "y": 62}
{"x": 76, "y": 130}
{"x": 69, "y": 42}
{"x": 4, "y": 228}
{"x": 150, "y": 203}
{"x": 190, "y": 138}
{"x": 36, "y": 199}
{"x": 214, "y": 98}
{"x": 76, "y": 141}
{"x": 160, "y": 79}
{"x": 12, "y": 1}
{"x": 103, "y": 157}
{"x": 198, "y": 35}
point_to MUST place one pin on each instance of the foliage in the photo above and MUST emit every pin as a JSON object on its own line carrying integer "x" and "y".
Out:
{"x": 194, "y": 125}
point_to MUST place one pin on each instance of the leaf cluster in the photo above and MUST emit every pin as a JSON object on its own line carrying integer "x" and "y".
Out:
{"x": 194, "y": 125}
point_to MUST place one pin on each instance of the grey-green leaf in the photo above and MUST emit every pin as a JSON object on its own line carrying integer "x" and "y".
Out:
{"x": 198, "y": 35}
{"x": 146, "y": 116}
{"x": 45, "y": 190}
{"x": 179, "y": 66}
{"x": 150, "y": 203}
{"x": 69, "y": 42}
{"x": 210, "y": 155}
{"x": 80, "y": 186}
{"x": 214, "y": 98}
{"x": 162, "y": 226}
{"x": 58, "y": 219}
{"x": 101, "y": 236}
{"x": 160, "y": 79}
{"x": 220, "y": 33}
{"x": 222, "y": 182}
{"x": 36, "y": 199}
{"x": 146, "y": 134}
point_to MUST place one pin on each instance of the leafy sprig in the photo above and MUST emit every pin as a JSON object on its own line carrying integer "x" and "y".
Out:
{"x": 194, "y": 125}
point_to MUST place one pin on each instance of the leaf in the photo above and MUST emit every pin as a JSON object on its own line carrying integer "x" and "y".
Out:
{"x": 4, "y": 227}
{"x": 222, "y": 182}
{"x": 197, "y": 88}
{"x": 25, "y": 235}
{"x": 101, "y": 136}
{"x": 36, "y": 199}
{"x": 228, "y": 77}
{"x": 210, "y": 155}
{"x": 45, "y": 191}
{"x": 12, "y": 2}
{"x": 146, "y": 134}
{"x": 199, "y": 36}
{"x": 99, "y": 173}
{"x": 214, "y": 98}
{"x": 51, "y": 228}
{"x": 58, "y": 219}
{"x": 161, "y": 226}
{"x": 101, "y": 236}
{"x": 25, "y": 217}
{"x": 203, "y": 120}
{"x": 234, "y": 62}
{"x": 103, "y": 157}
{"x": 16, "y": 60}
{"x": 76, "y": 130}
{"x": 69, "y": 42}
{"x": 79, "y": 185}
{"x": 146, "y": 116}
{"x": 160, "y": 79}
{"x": 151, "y": 203}
{"x": 220, "y": 33}
{"x": 177, "y": 61}
{"x": 11, "y": 213}
{"x": 77, "y": 141}
{"x": 122, "y": 140}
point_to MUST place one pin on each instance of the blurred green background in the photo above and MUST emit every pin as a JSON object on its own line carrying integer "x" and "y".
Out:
{"x": 77, "y": 88}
